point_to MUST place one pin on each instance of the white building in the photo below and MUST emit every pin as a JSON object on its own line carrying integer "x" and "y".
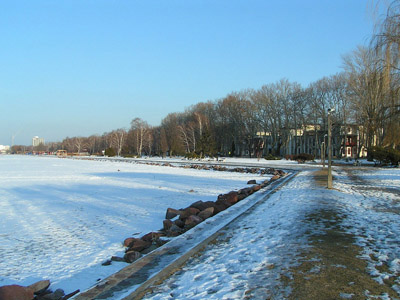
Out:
{"x": 4, "y": 149}
{"x": 36, "y": 141}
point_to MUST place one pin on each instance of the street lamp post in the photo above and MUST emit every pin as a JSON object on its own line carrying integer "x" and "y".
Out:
{"x": 330, "y": 111}
{"x": 323, "y": 149}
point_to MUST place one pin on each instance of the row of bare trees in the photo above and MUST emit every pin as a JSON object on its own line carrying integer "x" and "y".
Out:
{"x": 227, "y": 126}
{"x": 365, "y": 93}
{"x": 135, "y": 141}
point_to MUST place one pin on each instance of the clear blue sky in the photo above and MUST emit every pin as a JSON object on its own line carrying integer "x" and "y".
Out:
{"x": 82, "y": 67}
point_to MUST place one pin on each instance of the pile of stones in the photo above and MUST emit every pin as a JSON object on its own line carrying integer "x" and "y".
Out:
{"x": 38, "y": 291}
{"x": 178, "y": 221}
{"x": 136, "y": 247}
{"x": 254, "y": 170}
{"x": 261, "y": 171}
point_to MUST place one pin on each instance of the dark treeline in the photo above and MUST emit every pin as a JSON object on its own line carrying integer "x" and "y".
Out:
{"x": 366, "y": 93}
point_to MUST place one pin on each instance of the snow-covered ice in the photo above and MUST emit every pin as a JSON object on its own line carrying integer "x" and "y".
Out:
{"x": 61, "y": 218}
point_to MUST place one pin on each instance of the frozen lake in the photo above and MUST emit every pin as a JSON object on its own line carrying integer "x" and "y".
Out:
{"x": 61, "y": 218}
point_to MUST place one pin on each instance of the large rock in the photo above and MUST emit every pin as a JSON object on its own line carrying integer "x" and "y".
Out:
{"x": 231, "y": 197}
{"x": 117, "y": 258}
{"x": 188, "y": 212}
{"x": 253, "y": 181}
{"x": 152, "y": 236}
{"x": 192, "y": 221}
{"x": 265, "y": 183}
{"x": 279, "y": 172}
{"x": 241, "y": 197}
{"x": 220, "y": 206}
{"x": 40, "y": 286}
{"x": 138, "y": 245}
{"x": 129, "y": 241}
{"x": 131, "y": 256}
{"x": 205, "y": 214}
{"x": 16, "y": 292}
{"x": 256, "y": 188}
{"x": 56, "y": 295}
{"x": 246, "y": 191}
{"x": 179, "y": 223}
{"x": 275, "y": 177}
{"x": 222, "y": 203}
{"x": 174, "y": 231}
{"x": 172, "y": 213}
{"x": 167, "y": 224}
{"x": 175, "y": 228}
{"x": 219, "y": 168}
{"x": 253, "y": 170}
{"x": 200, "y": 205}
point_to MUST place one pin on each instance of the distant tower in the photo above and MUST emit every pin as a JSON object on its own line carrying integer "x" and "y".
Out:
{"x": 13, "y": 137}
{"x": 36, "y": 141}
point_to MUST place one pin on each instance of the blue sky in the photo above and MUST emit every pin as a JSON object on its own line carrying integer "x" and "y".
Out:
{"x": 81, "y": 67}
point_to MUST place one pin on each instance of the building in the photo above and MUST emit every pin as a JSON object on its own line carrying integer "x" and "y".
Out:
{"x": 305, "y": 140}
{"x": 351, "y": 141}
{"x": 36, "y": 141}
{"x": 313, "y": 139}
{"x": 4, "y": 149}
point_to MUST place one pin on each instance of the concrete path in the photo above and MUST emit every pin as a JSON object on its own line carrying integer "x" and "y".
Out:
{"x": 331, "y": 268}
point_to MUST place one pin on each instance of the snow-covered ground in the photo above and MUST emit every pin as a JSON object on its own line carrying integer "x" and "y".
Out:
{"x": 61, "y": 218}
{"x": 253, "y": 256}
{"x": 246, "y": 259}
{"x": 371, "y": 202}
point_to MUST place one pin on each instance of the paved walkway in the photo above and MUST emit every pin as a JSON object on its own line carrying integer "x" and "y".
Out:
{"x": 332, "y": 268}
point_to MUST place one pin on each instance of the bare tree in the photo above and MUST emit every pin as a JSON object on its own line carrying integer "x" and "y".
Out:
{"x": 67, "y": 144}
{"x": 140, "y": 129}
{"x": 192, "y": 134}
{"x": 184, "y": 137}
{"x": 366, "y": 91}
{"x": 163, "y": 142}
{"x": 108, "y": 139}
{"x": 235, "y": 122}
{"x": 149, "y": 141}
{"x": 173, "y": 137}
{"x": 93, "y": 144}
{"x": 386, "y": 44}
{"x": 118, "y": 139}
